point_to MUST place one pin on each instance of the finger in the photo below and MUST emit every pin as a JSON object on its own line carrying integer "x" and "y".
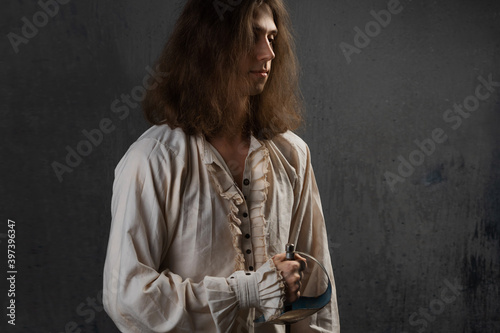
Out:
{"x": 292, "y": 266}
{"x": 279, "y": 257}
{"x": 293, "y": 293}
{"x": 303, "y": 265}
{"x": 302, "y": 261}
{"x": 294, "y": 288}
{"x": 293, "y": 279}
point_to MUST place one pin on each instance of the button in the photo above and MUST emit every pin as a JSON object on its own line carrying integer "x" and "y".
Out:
{"x": 249, "y": 251}
{"x": 246, "y": 182}
{"x": 250, "y": 268}
{"x": 245, "y": 215}
{"x": 248, "y": 273}
{"x": 247, "y": 236}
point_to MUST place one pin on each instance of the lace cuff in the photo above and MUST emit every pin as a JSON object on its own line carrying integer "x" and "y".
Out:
{"x": 262, "y": 290}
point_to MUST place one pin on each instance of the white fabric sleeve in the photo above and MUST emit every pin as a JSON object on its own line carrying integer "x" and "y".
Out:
{"x": 138, "y": 294}
{"x": 262, "y": 290}
{"x": 310, "y": 236}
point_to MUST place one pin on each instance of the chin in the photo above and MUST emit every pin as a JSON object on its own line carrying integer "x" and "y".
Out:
{"x": 257, "y": 90}
{"x": 256, "y": 93}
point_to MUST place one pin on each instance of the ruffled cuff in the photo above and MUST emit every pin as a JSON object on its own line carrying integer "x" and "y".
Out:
{"x": 263, "y": 290}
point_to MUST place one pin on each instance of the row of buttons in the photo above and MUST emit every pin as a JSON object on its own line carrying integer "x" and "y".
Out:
{"x": 232, "y": 277}
{"x": 246, "y": 182}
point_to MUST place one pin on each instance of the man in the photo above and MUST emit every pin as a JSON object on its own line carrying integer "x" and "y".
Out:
{"x": 205, "y": 201}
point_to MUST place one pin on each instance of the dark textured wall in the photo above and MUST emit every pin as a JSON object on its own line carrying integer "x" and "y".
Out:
{"x": 410, "y": 179}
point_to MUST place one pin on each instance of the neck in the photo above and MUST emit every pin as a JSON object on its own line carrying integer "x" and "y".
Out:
{"x": 230, "y": 140}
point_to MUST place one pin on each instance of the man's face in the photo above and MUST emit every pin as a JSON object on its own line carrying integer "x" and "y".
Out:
{"x": 256, "y": 66}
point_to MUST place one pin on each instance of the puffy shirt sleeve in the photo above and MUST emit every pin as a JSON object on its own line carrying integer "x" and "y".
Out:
{"x": 262, "y": 290}
{"x": 138, "y": 294}
{"x": 308, "y": 232}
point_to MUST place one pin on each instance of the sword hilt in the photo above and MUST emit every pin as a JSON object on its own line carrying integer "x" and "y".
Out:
{"x": 290, "y": 251}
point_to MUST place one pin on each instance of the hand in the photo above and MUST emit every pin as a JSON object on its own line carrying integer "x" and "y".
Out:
{"x": 291, "y": 270}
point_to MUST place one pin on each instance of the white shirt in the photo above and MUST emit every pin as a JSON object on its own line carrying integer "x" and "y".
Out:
{"x": 191, "y": 252}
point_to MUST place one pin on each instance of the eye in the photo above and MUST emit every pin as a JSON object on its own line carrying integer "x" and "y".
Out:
{"x": 271, "y": 40}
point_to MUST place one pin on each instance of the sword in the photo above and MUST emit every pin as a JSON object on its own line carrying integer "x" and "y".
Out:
{"x": 305, "y": 305}
{"x": 290, "y": 255}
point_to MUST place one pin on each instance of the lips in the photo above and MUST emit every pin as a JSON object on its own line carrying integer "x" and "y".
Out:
{"x": 261, "y": 72}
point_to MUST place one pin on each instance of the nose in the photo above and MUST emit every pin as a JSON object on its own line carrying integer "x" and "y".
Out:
{"x": 264, "y": 50}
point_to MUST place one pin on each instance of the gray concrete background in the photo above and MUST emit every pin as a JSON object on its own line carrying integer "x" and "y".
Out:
{"x": 395, "y": 251}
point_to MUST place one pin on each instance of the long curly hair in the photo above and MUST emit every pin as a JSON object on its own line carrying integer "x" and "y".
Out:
{"x": 200, "y": 70}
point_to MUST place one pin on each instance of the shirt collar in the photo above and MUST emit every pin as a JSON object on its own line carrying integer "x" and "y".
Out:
{"x": 208, "y": 157}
